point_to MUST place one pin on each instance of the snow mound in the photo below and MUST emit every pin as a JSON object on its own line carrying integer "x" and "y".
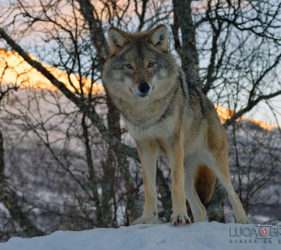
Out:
{"x": 155, "y": 237}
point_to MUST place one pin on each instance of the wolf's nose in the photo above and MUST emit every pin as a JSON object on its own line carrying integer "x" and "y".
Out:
{"x": 143, "y": 87}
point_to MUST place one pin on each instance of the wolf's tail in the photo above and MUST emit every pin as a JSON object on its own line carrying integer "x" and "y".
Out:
{"x": 205, "y": 182}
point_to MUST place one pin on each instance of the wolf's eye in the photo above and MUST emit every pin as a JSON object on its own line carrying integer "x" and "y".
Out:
{"x": 150, "y": 64}
{"x": 128, "y": 66}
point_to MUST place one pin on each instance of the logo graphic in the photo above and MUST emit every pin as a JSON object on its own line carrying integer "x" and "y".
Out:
{"x": 264, "y": 231}
{"x": 254, "y": 234}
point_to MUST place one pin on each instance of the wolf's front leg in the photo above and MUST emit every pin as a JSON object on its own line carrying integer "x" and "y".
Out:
{"x": 176, "y": 158}
{"x": 148, "y": 153}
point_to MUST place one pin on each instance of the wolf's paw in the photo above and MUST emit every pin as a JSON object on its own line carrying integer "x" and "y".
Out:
{"x": 146, "y": 220}
{"x": 179, "y": 218}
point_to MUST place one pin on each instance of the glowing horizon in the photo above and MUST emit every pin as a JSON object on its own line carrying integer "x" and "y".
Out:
{"x": 15, "y": 71}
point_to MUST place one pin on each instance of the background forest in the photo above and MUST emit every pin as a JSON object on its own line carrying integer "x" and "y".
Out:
{"x": 66, "y": 159}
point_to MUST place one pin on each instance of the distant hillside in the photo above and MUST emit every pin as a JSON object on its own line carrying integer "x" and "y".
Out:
{"x": 14, "y": 70}
{"x": 225, "y": 113}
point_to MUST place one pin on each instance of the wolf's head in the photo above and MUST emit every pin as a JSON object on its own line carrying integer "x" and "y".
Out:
{"x": 139, "y": 64}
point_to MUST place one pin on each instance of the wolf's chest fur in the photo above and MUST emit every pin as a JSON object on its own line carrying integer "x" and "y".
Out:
{"x": 153, "y": 119}
{"x": 159, "y": 129}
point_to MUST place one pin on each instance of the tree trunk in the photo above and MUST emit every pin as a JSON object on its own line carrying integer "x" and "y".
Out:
{"x": 186, "y": 46}
{"x": 113, "y": 120}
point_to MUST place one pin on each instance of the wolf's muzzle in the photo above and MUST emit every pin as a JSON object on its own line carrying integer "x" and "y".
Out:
{"x": 143, "y": 89}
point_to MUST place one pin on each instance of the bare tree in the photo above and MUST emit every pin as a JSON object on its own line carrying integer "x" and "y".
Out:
{"x": 236, "y": 53}
{"x": 7, "y": 195}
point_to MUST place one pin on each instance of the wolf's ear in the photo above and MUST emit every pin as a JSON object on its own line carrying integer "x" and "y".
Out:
{"x": 159, "y": 37}
{"x": 117, "y": 40}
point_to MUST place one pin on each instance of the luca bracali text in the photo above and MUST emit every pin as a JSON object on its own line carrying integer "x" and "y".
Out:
{"x": 255, "y": 234}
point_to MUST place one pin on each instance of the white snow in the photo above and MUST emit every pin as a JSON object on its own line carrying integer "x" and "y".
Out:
{"x": 196, "y": 236}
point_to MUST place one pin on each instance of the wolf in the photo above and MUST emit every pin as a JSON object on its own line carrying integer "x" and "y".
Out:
{"x": 168, "y": 115}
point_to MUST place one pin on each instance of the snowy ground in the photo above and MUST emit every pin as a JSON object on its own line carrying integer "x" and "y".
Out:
{"x": 164, "y": 236}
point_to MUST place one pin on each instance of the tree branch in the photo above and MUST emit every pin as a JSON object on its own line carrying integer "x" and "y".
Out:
{"x": 85, "y": 108}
